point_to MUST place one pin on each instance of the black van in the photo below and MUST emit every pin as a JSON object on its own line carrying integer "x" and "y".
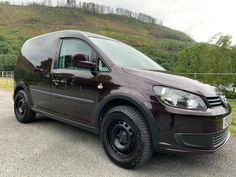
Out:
{"x": 109, "y": 88}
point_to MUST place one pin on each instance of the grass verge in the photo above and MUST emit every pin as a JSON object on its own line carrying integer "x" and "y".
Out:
{"x": 233, "y": 124}
{"x": 6, "y": 83}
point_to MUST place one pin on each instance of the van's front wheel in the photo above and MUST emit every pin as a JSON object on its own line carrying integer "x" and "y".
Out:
{"x": 125, "y": 137}
{"x": 22, "y": 109}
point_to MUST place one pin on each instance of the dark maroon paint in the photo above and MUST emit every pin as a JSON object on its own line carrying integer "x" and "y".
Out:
{"x": 72, "y": 96}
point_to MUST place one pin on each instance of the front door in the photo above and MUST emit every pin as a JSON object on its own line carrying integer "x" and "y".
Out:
{"x": 74, "y": 89}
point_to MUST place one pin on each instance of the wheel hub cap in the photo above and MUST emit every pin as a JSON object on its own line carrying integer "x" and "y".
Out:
{"x": 123, "y": 137}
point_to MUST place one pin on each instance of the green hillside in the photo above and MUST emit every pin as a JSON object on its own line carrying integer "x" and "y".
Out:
{"x": 17, "y": 23}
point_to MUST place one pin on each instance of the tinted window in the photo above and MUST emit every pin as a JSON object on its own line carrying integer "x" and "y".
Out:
{"x": 69, "y": 48}
{"x": 124, "y": 55}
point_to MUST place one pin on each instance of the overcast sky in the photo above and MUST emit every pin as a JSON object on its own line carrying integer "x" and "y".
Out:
{"x": 201, "y": 19}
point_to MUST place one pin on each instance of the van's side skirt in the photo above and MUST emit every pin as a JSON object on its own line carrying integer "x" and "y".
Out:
{"x": 67, "y": 121}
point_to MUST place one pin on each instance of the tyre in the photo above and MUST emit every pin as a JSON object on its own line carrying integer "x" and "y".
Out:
{"x": 22, "y": 109}
{"x": 125, "y": 137}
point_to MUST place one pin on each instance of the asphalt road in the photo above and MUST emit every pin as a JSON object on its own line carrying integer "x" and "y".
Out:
{"x": 52, "y": 149}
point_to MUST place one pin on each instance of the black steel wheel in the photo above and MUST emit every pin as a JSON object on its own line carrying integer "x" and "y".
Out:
{"x": 20, "y": 106}
{"x": 22, "y": 109}
{"x": 125, "y": 137}
{"x": 121, "y": 138}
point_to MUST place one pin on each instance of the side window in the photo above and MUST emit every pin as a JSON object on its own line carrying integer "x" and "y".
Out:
{"x": 102, "y": 66}
{"x": 71, "y": 47}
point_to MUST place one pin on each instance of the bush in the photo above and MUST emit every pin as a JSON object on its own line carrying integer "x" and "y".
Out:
{"x": 229, "y": 94}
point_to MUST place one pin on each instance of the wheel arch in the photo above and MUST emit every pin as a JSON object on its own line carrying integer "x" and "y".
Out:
{"x": 21, "y": 86}
{"x": 126, "y": 99}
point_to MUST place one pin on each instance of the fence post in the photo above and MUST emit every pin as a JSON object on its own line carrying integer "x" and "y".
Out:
{"x": 6, "y": 78}
{"x": 12, "y": 80}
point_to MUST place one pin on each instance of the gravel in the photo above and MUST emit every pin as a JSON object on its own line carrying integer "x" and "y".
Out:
{"x": 50, "y": 148}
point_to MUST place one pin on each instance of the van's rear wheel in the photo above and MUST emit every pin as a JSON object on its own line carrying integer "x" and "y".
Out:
{"x": 22, "y": 109}
{"x": 125, "y": 137}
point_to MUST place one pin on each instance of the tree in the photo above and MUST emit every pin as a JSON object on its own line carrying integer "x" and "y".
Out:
{"x": 224, "y": 41}
{"x": 71, "y": 3}
{"x": 210, "y": 58}
{"x": 47, "y": 3}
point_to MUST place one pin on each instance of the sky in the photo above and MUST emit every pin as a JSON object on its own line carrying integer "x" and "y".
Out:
{"x": 201, "y": 19}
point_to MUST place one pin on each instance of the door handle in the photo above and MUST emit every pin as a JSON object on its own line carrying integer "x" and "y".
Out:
{"x": 100, "y": 86}
{"x": 58, "y": 81}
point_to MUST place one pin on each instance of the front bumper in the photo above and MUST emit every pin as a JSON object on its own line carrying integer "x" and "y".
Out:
{"x": 208, "y": 142}
{"x": 190, "y": 133}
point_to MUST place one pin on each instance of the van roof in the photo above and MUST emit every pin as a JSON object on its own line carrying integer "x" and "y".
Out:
{"x": 73, "y": 33}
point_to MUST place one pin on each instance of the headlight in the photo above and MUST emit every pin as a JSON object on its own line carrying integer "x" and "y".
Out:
{"x": 178, "y": 98}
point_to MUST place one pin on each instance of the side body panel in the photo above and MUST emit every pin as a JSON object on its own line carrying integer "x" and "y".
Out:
{"x": 74, "y": 95}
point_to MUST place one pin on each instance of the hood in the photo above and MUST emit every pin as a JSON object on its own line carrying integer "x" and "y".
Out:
{"x": 175, "y": 81}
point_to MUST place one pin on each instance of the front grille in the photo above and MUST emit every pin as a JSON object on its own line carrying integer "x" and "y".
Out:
{"x": 214, "y": 101}
{"x": 219, "y": 138}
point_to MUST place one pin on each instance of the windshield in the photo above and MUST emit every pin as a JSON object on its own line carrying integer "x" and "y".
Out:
{"x": 125, "y": 56}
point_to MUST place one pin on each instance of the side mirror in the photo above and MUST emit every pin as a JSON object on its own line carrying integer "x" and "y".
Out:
{"x": 82, "y": 61}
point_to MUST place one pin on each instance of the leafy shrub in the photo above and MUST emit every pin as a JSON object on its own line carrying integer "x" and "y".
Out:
{"x": 229, "y": 94}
